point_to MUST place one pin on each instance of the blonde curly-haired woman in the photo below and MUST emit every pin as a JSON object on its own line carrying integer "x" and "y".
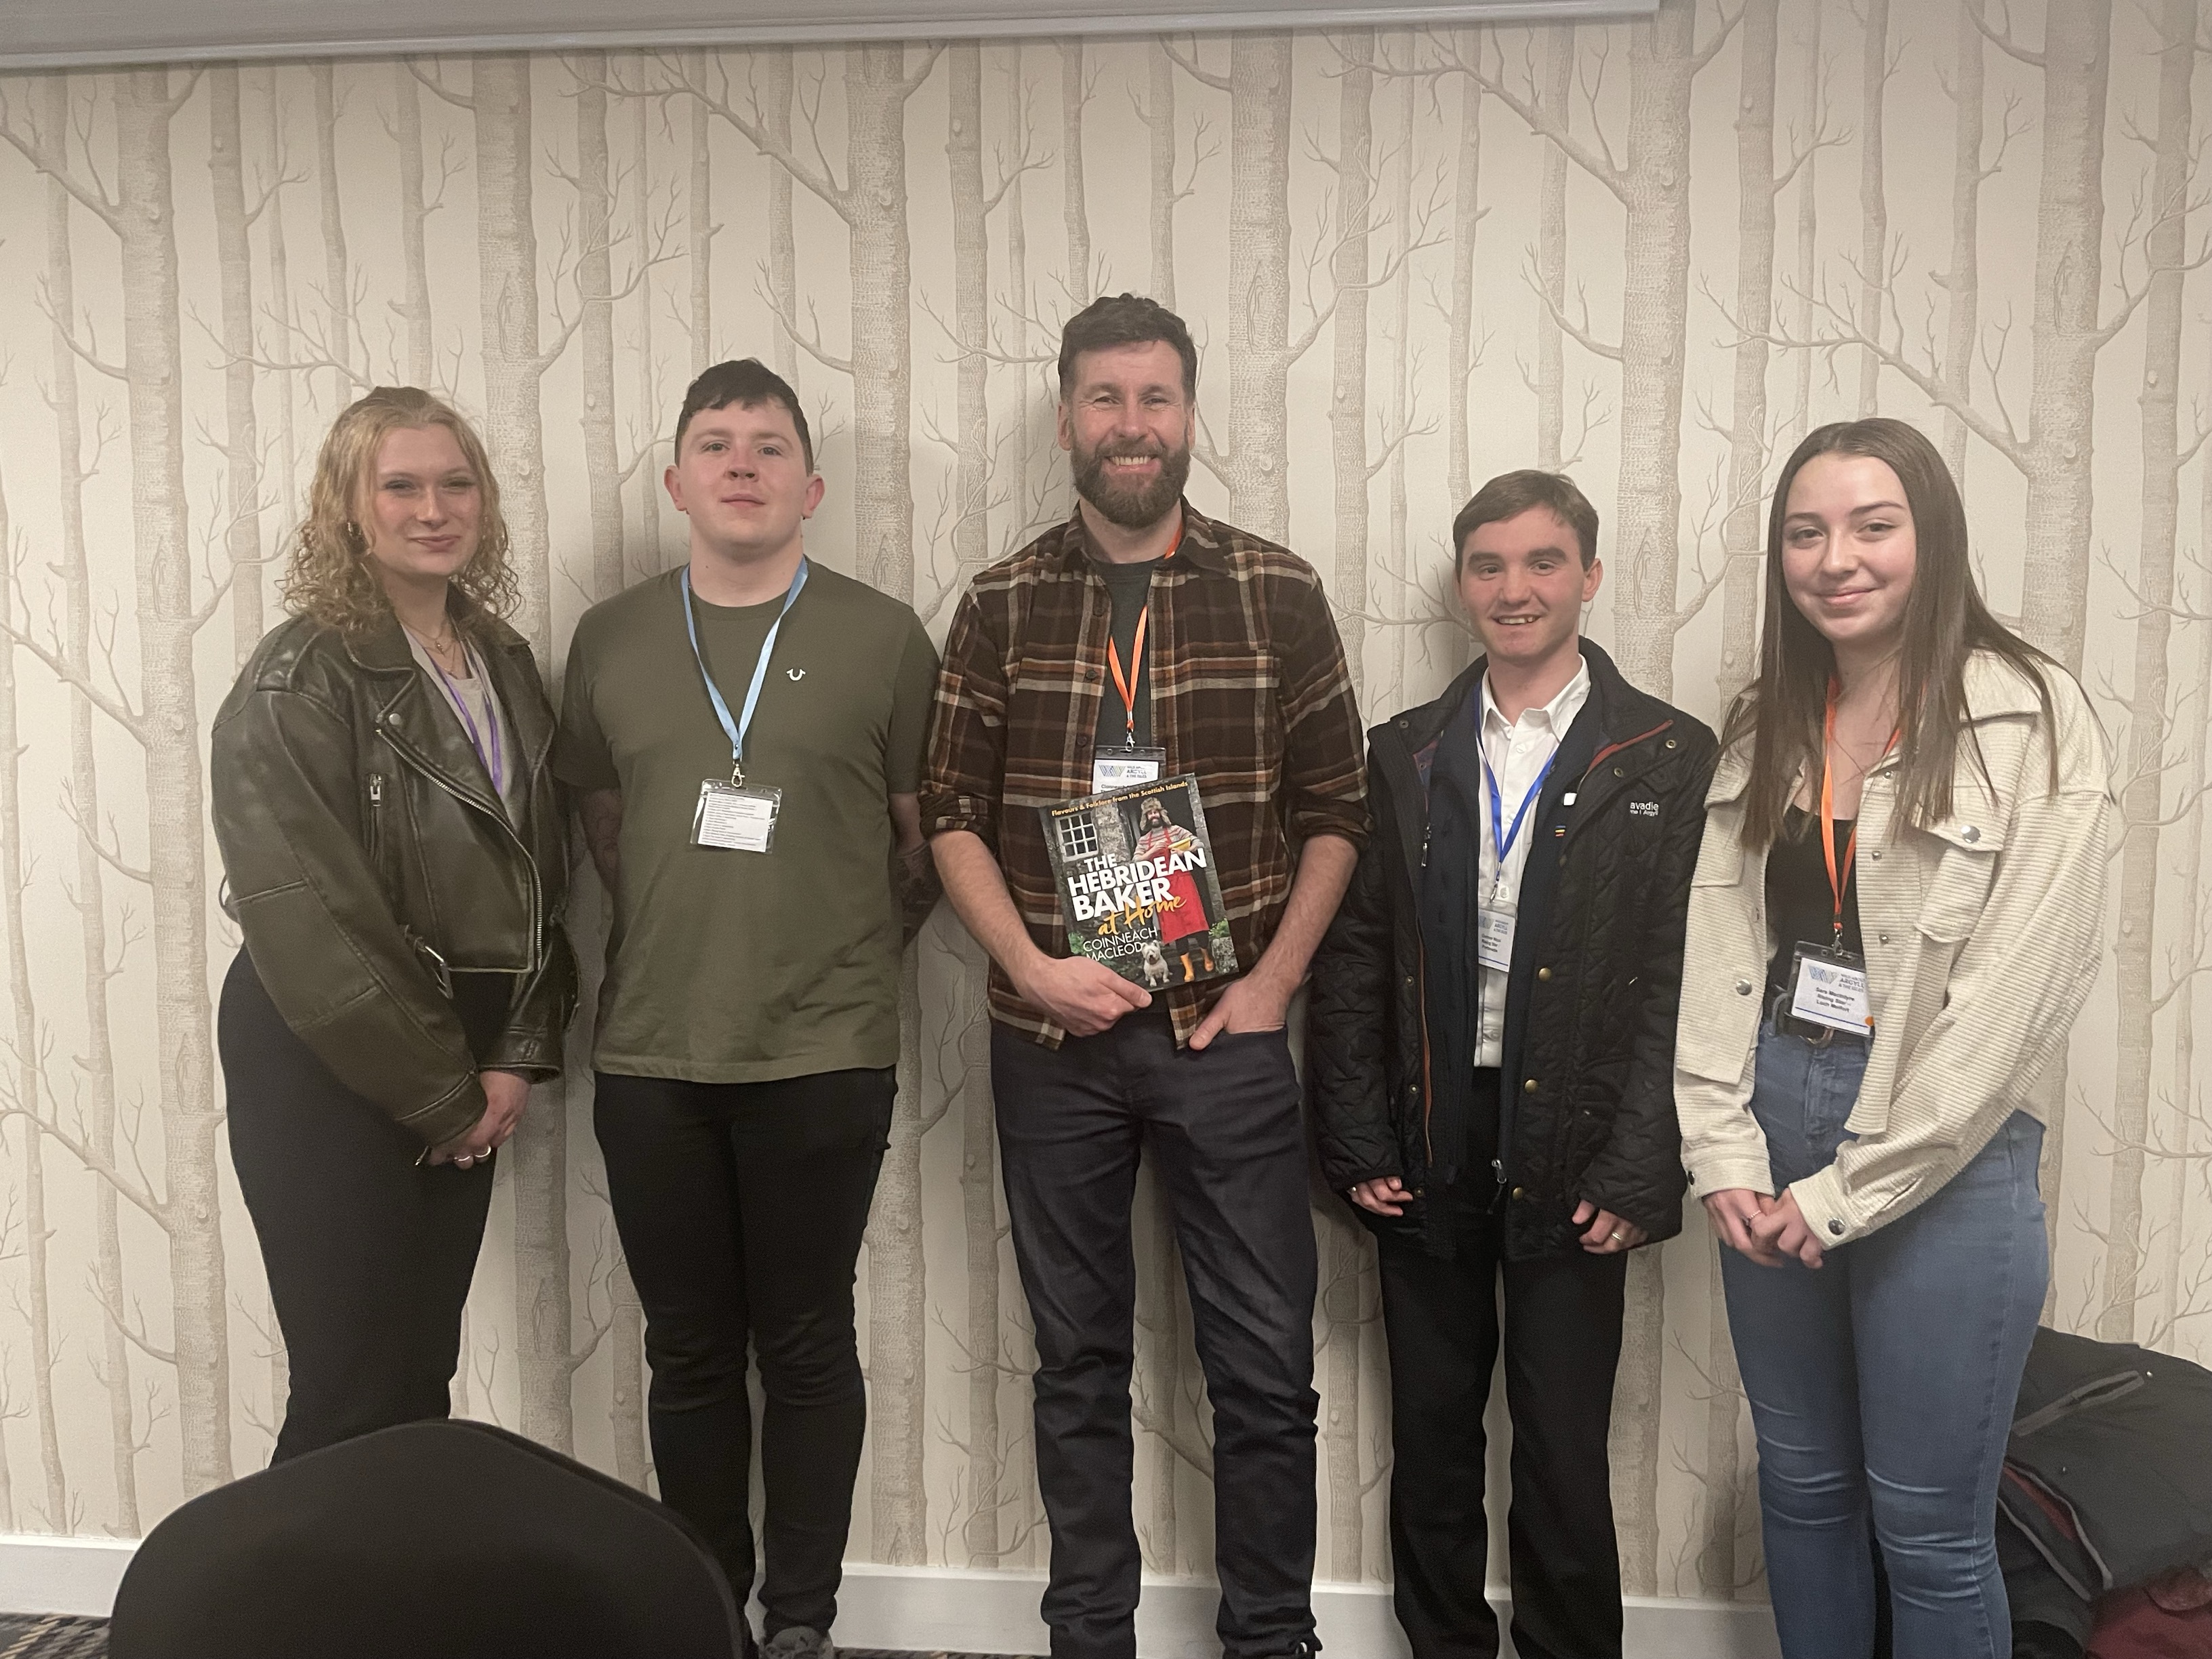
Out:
{"x": 397, "y": 865}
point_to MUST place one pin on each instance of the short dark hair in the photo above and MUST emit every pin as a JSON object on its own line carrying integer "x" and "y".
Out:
{"x": 748, "y": 383}
{"x": 1125, "y": 320}
{"x": 1510, "y": 495}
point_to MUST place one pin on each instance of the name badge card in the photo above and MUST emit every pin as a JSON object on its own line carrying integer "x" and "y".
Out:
{"x": 1493, "y": 937}
{"x": 1117, "y": 768}
{"x": 1830, "y": 988}
{"x": 736, "y": 819}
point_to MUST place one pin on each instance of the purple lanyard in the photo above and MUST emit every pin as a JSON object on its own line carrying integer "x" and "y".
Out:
{"x": 493, "y": 764}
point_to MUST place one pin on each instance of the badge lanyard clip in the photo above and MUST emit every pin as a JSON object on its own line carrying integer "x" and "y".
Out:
{"x": 735, "y": 729}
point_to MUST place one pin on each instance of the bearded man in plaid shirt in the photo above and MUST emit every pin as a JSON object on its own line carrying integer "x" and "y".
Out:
{"x": 1141, "y": 637}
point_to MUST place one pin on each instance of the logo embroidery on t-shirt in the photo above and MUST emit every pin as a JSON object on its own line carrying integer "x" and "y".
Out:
{"x": 795, "y": 674}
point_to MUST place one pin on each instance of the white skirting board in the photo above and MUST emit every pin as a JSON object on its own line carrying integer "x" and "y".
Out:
{"x": 939, "y": 1609}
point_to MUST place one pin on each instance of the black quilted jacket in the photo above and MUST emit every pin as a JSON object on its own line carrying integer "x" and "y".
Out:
{"x": 1588, "y": 1046}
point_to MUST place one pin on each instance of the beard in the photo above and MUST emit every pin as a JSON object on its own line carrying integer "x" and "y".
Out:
{"x": 1132, "y": 508}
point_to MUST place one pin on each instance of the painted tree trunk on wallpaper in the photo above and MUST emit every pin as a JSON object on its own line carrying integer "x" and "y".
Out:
{"x": 26, "y": 1055}
{"x": 645, "y": 364}
{"x": 415, "y": 208}
{"x": 241, "y": 447}
{"x": 699, "y": 174}
{"x": 166, "y": 723}
{"x": 1021, "y": 301}
{"x": 972, "y": 315}
{"x": 2187, "y": 1121}
{"x": 1353, "y": 165}
{"x": 95, "y": 1065}
{"x": 1074, "y": 199}
{"x": 1459, "y": 353}
{"x": 1409, "y": 595}
{"x": 1875, "y": 67}
{"x": 1812, "y": 98}
{"x": 1261, "y": 351}
{"x": 2142, "y": 794}
{"x": 274, "y": 158}
{"x": 1552, "y": 258}
{"x": 1159, "y": 117}
{"x": 337, "y": 268}
{"x": 595, "y": 291}
{"x": 776, "y": 67}
{"x": 1962, "y": 278}
{"x": 1743, "y": 531}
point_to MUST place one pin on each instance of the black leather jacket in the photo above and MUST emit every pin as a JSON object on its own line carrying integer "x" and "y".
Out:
{"x": 1587, "y": 1096}
{"x": 368, "y": 862}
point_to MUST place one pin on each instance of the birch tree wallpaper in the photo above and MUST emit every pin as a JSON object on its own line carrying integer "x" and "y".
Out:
{"x": 1651, "y": 254}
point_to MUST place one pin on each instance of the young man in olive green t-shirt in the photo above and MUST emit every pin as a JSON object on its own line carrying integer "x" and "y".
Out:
{"x": 745, "y": 736}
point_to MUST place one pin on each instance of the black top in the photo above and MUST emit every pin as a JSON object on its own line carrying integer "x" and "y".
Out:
{"x": 1800, "y": 909}
{"x": 1131, "y": 585}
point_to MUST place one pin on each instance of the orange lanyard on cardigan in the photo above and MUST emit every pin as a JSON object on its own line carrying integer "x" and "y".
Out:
{"x": 1127, "y": 683}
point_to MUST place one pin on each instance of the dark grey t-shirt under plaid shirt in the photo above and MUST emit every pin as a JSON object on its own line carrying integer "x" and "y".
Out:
{"x": 1248, "y": 691}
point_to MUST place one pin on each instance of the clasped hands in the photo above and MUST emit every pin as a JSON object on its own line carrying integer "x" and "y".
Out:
{"x": 507, "y": 1094}
{"x": 1769, "y": 1230}
{"x": 1605, "y": 1233}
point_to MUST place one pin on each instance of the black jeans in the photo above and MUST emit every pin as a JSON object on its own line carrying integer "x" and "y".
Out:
{"x": 1223, "y": 1131}
{"x": 741, "y": 1206}
{"x": 1562, "y": 1346}
{"x": 369, "y": 1254}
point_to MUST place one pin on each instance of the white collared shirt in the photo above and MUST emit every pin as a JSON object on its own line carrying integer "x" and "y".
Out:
{"x": 1517, "y": 753}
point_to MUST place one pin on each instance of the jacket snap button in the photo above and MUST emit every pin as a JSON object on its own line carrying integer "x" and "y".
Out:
{"x": 1877, "y": 857}
{"x": 1530, "y": 1087}
{"x": 1516, "y": 1192}
{"x": 1969, "y": 834}
{"x": 1837, "y": 1228}
{"x": 1618, "y": 772}
{"x": 1670, "y": 742}
{"x": 1409, "y": 980}
{"x": 1743, "y": 987}
{"x": 1543, "y": 973}
{"x": 1884, "y": 938}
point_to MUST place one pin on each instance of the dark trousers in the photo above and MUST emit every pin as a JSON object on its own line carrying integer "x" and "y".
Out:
{"x": 741, "y": 1206}
{"x": 1562, "y": 1337}
{"x": 369, "y": 1254}
{"x": 1222, "y": 1131}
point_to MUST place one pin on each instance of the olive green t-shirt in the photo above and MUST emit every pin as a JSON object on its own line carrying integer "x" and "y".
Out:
{"x": 735, "y": 966}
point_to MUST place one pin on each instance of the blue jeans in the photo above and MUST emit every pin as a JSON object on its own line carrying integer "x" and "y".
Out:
{"x": 1882, "y": 1386}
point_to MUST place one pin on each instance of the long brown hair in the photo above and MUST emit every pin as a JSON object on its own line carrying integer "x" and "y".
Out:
{"x": 1944, "y": 623}
{"x": 330, "y": 576}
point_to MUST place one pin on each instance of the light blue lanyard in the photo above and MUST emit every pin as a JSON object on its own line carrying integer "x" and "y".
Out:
{"x": 1500, "y": 836}
{"x": 735, "y": 730}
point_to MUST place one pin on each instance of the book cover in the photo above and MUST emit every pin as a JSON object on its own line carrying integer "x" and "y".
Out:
{"x": 1138, "y": 890}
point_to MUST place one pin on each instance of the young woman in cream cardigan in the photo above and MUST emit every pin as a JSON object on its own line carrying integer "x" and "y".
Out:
{"x": 1895, "y": 918}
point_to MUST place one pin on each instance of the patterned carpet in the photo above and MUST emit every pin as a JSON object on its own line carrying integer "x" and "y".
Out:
{"x": 46, "y": 1636}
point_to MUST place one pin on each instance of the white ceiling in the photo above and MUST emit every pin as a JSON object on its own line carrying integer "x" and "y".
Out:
{"x": 50, "y": 34}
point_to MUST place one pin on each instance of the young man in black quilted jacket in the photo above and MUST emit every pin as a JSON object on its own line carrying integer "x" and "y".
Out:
{"x": 1490, "y": 1048}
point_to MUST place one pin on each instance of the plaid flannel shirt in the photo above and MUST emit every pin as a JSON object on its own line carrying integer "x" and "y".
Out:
{"x": 1249, "y": 692}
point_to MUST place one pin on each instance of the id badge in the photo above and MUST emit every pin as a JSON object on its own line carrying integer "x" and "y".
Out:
{"x": 1829, "y": 987}
{"x": 736, "y": 818}
{"x": 1117, "y": 768}
{"x": 1493, "y": 939}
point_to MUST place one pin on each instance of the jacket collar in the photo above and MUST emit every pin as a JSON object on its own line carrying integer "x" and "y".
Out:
{"x": 1202, "y": 543}
{"x": 413, "y": 714}
{"x": 1621, "y": 707}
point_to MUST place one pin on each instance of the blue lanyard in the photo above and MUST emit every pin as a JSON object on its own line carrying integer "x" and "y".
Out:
{"x": 493, "y": 762}
{"x": 735, "y": 730}
{"x": 1501, "y": 837}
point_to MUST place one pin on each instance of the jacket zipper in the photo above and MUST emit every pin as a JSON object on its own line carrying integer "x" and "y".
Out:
{"x": 537, "y": 956}
{"x": 375, "y": 829}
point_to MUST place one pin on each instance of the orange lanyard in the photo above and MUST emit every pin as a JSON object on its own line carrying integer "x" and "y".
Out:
{"x": 1837, "y": 886}
{"x": 1127, "y": 683}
